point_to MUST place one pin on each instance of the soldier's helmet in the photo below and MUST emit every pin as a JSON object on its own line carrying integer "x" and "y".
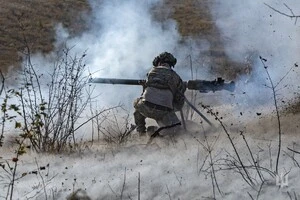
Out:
{"x": 165, "y": 57}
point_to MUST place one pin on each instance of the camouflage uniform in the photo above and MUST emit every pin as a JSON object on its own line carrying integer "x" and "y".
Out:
{"x": 162, "y": 95}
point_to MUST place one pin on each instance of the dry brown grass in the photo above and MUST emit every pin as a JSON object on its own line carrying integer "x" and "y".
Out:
{"x": 193, "y": 17}
{"x": 194, "y": 20}
{"x": 35, "y": 21}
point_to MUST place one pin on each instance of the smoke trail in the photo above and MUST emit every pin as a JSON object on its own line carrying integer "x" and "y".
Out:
{"x": 252, "y": 28}
{"x": 122, "y": 41}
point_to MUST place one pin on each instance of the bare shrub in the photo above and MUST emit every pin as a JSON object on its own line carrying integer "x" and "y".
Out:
{"x": 10, "y": 169}
{"x": 116, "y": 129}
{"x": 274, "y": 87}
{"x": 3, "y": 119}
{"x": 50, "y": 114}
{"x": 49, "y": 108}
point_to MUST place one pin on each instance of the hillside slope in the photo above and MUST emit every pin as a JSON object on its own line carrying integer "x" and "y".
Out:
{"x": 32, "y": 23}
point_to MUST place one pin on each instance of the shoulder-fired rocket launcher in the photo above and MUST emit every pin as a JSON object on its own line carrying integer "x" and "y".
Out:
{"x": 202, "y": 86}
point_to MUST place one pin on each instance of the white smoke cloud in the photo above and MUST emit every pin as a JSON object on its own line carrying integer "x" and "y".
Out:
{"x": 122, "y": 41}
{"x": 252, "y": 27}
{"x": 123, "y": 38}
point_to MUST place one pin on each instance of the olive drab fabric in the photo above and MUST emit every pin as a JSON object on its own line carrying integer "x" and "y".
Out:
{"x": 163, "y": 77}
{"x": 165, "y": 57}
{"x": 163, "y": 94}
{"x": 142, "y": 111}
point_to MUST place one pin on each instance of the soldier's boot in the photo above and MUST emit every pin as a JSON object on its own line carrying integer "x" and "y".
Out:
{"x": 151, "y": 130}
{"x": 140, "y": 122}
{"x": 141, "y": 130}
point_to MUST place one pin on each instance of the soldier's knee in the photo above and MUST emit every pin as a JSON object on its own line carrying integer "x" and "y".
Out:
{"x": 136, "y": 102}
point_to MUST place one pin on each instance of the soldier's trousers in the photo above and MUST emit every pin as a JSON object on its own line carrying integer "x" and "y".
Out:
{"x": 143, "y": 111}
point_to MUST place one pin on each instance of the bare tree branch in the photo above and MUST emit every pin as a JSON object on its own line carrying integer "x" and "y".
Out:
{"x": 292, "y": 15}
{"x": 263, "y": 60}
{"x": 293, "y": 150}
{"x": 2, "y": 82}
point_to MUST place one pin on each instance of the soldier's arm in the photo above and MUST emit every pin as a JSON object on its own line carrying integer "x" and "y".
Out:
{"x": 178, "y": 101}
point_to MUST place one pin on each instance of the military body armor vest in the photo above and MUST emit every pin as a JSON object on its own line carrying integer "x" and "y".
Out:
{"x": 163, "y": 77}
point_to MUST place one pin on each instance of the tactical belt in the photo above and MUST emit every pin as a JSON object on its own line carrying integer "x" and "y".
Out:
{"x": 155, "y": 106}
